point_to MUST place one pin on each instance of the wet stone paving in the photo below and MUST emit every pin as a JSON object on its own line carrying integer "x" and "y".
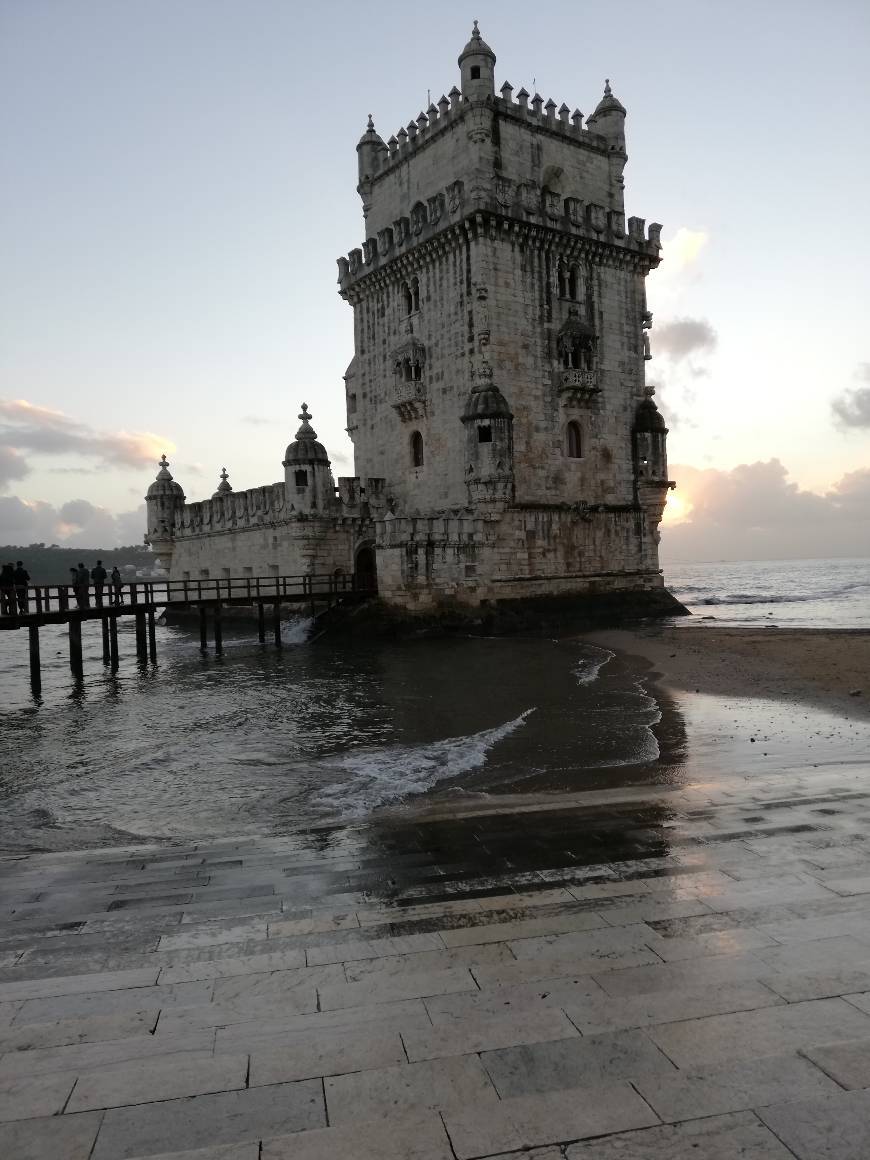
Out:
{"x": 638, "y": 974}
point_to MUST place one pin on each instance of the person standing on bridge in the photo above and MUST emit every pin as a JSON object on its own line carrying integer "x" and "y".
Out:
{"x": 83, "y": 587}
{"x": 117, "y": 596}
{"x": 22, "y": 580}
{"x": 7, "y": 590}
{"x": 98, "y": 575}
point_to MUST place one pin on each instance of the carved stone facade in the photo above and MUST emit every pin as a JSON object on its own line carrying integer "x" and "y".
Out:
{"x": 505, "y": 443}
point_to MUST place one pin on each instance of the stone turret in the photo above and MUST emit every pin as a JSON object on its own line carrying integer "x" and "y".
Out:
{"x": 371, "y": 156}
{"x": 489, "y": 446}
{"x": 477, "y": 68}
{"x": 308, "y": 481}
{"x": 608, "y": 120}
{"x": 164, "y": 501}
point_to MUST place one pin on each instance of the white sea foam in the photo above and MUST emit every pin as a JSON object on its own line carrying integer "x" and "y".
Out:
{"x": 377, "y": 776}
{"x": 296, "y": 629}
{"x": 589, "y": 667}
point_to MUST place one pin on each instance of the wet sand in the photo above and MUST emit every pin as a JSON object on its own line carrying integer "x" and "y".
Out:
{"x": 819, "y": 667}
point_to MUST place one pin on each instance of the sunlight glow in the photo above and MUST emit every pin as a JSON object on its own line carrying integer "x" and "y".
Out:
{"x": 677, "y": 510}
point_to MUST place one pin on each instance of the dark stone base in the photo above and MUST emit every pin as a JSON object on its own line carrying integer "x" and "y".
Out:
{"x": 545, "y": 614}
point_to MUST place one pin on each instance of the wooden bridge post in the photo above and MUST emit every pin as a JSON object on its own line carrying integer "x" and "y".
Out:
{"x": 75, "y": 647}
{"x": 35, "y": 670}
{"x": 152, "y": 637}
{"x": 261, "y": 622}
{"x": 203, "y": 630}
{"x": 276, "y": 621}
{"x": 113, "y": 642}
{"x": 218, "y": 630}
{"x": 141, "y": 643}
{"x": 104, "y": 624}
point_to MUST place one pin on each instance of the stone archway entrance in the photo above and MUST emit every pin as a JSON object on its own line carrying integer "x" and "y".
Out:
{"x": 366, "y": 569}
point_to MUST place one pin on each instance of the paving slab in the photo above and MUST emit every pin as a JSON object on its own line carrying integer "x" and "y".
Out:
{"x": 236, "y": 1117}
{"x": 577, "y": 1062}
{"x": 733, "y": 1087}
{"x": 77, "y": 984}
{"x": 399, "y": 1138}
{"x": 416, "y": 985}
{"x": 26, "y": 1097}
{"x": 527, "y": 1121}
{"x": 436, "y": 1085}
{"x": 334, "y": 1051}
{"x": 51, "y": 1137}
{"x": 847, "y": 1063}
{"x": 85, "y": 1029}
{"x": 114, "y": 1002}
{"x": 601, "y": 1013}
{"x": 144, "y": 1081}
{"x": 485, "y": 1032}
{"x": 244, "y": 1036}
{"x": 92, "y": 1056}
{"x": 771, "y": 1031}
{"x": 720, "y": 1138}
{"x": 835, "y": 1127}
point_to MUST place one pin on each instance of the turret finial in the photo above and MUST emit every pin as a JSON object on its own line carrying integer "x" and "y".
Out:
{"x": 164, "y": 462}
{"x": 306, "y": 431}
{"x": 371, "y": 125}
{"x": 305, "y": 414}
{"x": 475, "y": 32}
{"x": 608, "y": 92}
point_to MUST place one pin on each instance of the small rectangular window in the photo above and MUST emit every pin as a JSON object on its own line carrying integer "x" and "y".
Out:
{"x": 248, "y": 571}
{"x": 484, "y": 434}
{"x": 204, "y": 573}
{"x": 185, "y": 575}
{"x": 351, "y": 404}
{"x": 301, "y": 478}
{"x": 227, "y": 573}
{"x": 475, "y": 72}
{"x": 273, "y": 569}
{"x": 470, "y": 569}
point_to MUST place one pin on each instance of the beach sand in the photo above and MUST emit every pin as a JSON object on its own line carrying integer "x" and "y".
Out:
{"x": 826, "y": 668}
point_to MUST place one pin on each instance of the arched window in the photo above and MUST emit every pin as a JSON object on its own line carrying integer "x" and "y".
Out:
{"x": 573, "y": 446}
{"x": 416, "y": 449}
{"x": 406, "y": 368}
{"x": 418, "y": 372}
{"x": 572, "y": 283}
{"x": 415, "y": 293}
{"x": 407, "y": 298}
{"x": 560, "y": 270}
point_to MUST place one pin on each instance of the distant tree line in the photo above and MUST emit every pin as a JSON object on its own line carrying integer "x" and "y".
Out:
{"x": 50, "y": 564}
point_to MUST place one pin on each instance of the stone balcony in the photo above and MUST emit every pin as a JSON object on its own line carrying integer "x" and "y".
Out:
{"x": 409, "y": 399}
{"x": 577, "y": 387}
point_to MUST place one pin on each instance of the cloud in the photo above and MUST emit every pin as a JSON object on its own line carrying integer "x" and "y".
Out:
{"x": 256, "y": 420}
{"x": 852, "y": 407}
{"x": 77, "y": 523}
{"x": 26, "y": 427}
{"x": 12, "y": 465}
{"x": 755, "y": 512}
{"x": 683, "y": 249}
{"x": 683, "y": 337}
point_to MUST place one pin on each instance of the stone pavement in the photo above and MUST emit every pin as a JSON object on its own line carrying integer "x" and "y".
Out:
{"x": 637, "y": 974}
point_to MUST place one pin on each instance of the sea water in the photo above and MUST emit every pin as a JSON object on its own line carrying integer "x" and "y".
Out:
{"x": 265, "y": 740}
{"x": 793, "y": 593}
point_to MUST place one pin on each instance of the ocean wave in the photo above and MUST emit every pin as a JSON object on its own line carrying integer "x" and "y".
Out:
{"x": 589, "y": 667}
{"x": 774, "y": 598}
{"x": 377, "y": 777}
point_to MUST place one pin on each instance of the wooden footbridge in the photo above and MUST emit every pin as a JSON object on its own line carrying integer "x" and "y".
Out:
{"x": 146, "y": 599}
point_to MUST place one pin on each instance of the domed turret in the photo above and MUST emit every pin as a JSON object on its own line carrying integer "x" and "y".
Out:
{"x": 649, "y": 439}
{"x": 371, "y": 152}
{"x": 609, "y": 118}
{"x": 308, "y": 480}
{"x": 164, "y": 501}
{"x": 477, "y": 68}
{"x": 224, "y": 486}
{"x": 164, "y": 484}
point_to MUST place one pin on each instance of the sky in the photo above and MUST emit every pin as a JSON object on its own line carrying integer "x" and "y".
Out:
{"x": 177, "y": 178}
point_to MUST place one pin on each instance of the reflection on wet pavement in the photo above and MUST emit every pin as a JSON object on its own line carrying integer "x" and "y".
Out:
{"x": 663, "y": 968}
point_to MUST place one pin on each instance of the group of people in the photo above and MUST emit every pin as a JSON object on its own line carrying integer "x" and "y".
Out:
{"x": 81, "y": 585}
{"x": 15, "y": 581}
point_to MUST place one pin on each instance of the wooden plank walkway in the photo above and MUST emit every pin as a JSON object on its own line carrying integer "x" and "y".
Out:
{"x": 41, "y": 605}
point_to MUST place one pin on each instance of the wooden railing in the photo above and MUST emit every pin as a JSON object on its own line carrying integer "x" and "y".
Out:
{"x": 46, "y": 598}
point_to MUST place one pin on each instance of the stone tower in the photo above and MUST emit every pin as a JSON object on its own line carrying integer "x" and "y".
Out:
{"x": 164, "y": 502}
{"x": 500, "y": 340}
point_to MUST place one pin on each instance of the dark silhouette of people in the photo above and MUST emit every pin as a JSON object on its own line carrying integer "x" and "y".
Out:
{"x": 117, "y": 590}
{"x": 22, "y": 580}
{"x": 7, "y": 590}
{"x": 83, "y": 587}
{"x": 98, "y": 575}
